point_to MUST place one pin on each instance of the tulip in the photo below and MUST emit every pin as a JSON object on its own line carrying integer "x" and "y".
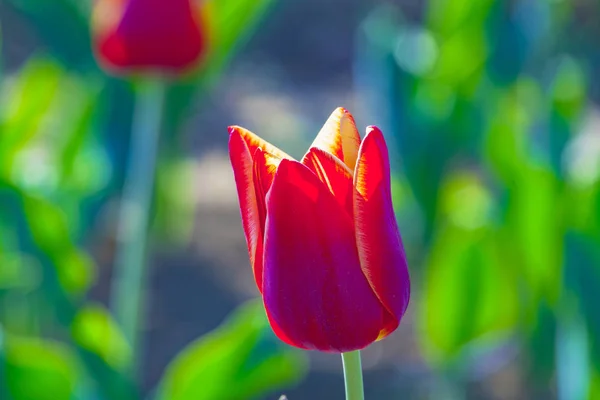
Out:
{"x": 163, "y": 35}
{"x": 323, "y": 241}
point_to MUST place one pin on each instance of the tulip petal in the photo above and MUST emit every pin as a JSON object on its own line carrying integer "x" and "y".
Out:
{"x": 254, "y": 142}
{"x": 280, "y": 333}
{"x": 334, "y": 174}
{"x": 265, "y": 166}
{"x": 316, "y": 295}
{"x": 243, "y": 144}
{"x": 380, "y": 246}
{"x": 339, "y": 137}
{"x": 141, "y": 34}
{"x": 242, "y": 164}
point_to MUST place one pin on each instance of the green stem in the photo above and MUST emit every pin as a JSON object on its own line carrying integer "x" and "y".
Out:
{"x": 127, "y": 293}
{"x": 572, "y": 350}
{"x": 353, "y": 375}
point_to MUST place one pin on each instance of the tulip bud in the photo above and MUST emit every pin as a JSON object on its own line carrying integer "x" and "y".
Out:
{"x": 148, "y": 35}
{"x": 322, "y": 237}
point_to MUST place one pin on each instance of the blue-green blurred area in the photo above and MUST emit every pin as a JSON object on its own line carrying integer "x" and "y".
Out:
{"x": 490, "y": 110}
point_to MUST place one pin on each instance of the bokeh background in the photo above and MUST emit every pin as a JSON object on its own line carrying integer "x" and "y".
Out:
{"x": 490, "y": 109}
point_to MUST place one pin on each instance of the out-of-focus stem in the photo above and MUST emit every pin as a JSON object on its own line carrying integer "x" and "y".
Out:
{"x": 353, "y": 378}
{"x": 572, "y": 352}
{"x": 129, "y": 276}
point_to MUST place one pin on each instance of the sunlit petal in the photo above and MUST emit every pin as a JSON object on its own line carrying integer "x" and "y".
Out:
{"x": 334, "y": 174}
{"x": 379, "y": 244}
{"x": 241, "y": 161}
{"x": 339, "y": 137}
{"x": 265, "y": 166}
{"x": 253, "y": 142}
{"x": 313, "y": 286}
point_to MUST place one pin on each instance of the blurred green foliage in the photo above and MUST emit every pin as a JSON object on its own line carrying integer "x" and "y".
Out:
{"x": 94, "y": 330}
{"x": 64, "y": 133}
{"x": 239, "y": 360}
{"x": 486, "y": 101}
{"x": 40, "y": 370}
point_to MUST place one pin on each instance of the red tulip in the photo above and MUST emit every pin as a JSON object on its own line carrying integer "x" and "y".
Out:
{"x": 322, "y": 237}
{"x": 164, "y": 35}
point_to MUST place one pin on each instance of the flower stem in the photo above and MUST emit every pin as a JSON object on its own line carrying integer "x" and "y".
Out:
{"x": 572, "y": 350}
{"x": 353, "y": 375}
{"x": 127, "y": 291}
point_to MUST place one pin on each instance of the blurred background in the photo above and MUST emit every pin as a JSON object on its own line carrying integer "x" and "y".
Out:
{"x": 490, "y": 109}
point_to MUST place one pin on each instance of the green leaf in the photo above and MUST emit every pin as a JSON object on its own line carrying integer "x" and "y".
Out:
{"x": 26, "y": 102}
{"x": 446, "y": 16}
{"x": 50, "y": 231}
{"x": 73, "y": 115}
{"x": 585, "y": 217}
{"x": 510, "y": 115}
{"x": 241, "y": 359}
{"x": 58, "y": 157}
{"x": 232, "y": 21}
{"x": 469, "y": 293}
{"x": 18, "y": 271}
{"x": 460, "y": 57}
{"x": 569, "y": 88}
{"x": 533, "y": 228}
{"x": 95, "y": 330}
{"x": 38, "y": 369}
{"x": 105, "y": 352}
{"x": 594, "y": 392}
{"x": 48, "y": 224}
{"x": 76, "y": 271}
{"x": 534, "y": 231}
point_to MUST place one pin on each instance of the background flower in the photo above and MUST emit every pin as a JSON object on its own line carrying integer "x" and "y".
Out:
{"x": 146, "y": 35}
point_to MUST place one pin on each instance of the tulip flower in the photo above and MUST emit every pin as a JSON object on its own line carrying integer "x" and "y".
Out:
{"x": 322, "y": 238}
{"x": 157, "y": 38}
{"x": 164, "y": 35}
